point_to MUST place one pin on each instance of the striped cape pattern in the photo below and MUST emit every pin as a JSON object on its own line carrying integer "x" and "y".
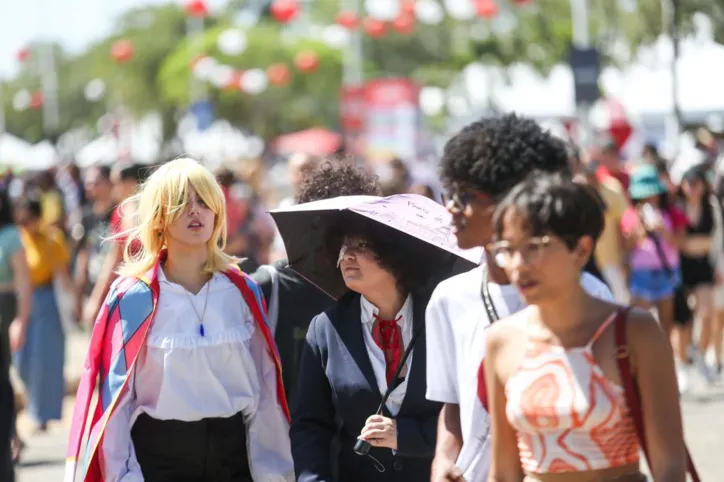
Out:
{"x": 119, "y": 333}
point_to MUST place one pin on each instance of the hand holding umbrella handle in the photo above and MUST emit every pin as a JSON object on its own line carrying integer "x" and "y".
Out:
{"x": 362, "y": 447}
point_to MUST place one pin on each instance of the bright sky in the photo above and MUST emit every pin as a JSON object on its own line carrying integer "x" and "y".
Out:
{"x": 74, "y": 23}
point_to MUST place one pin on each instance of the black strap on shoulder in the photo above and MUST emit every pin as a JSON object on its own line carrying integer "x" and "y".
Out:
{"x": 487, "y": 299}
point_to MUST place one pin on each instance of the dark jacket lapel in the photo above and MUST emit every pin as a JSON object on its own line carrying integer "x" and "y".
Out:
{"x": 416, "y": 379}
{"x": 349, "y": 328}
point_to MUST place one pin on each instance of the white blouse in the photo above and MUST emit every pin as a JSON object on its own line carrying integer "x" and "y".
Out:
{"x": 377, "y": 356}
{"x": 182, "y": 375}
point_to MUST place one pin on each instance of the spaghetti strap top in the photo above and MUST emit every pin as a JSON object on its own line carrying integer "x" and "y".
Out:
{"x": 568, "y": 416}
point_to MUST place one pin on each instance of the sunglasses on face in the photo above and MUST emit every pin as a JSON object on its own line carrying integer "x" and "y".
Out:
{"x": 530, "y": 251}
{"x": 357, "y": 248}
{"x": 461, "y": 199}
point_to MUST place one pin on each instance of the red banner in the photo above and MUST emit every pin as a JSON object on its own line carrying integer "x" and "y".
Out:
{"x": 393, "y": 119}
{"x": 352, "y": 107}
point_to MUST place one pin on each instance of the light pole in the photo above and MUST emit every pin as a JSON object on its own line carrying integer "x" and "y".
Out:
{"x": 49, "y": 82}
{"x": 353, "y": 75}
{"x": 2, "y": 109}
{"x": 48, "y": 73}
{"x": 581, "y": 40}
{"x": 195, "y": 30}
{"x": 670, "y": 27}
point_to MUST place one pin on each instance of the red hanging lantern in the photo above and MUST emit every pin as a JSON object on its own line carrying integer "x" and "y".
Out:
{"x": 408, "y": 7}
{"x": 375, "y": 28}
{"x": 609, "y": 116}
{"x": 195, "y": 60}
{"x": 23, "y": 55}
{"x": 404, "y": 24}
{"x": 306, "y": 61}
{"x": 486, "y": 8}
{"x": 284, "y": 10}
{"x": 37, "y": 99}
{"x": 279, "y": 75}
{"x": 122, "y": 51}
{"x": 196, "y": 9}
{"x": 234, "y": 82}
{"x": 348, "y": 20}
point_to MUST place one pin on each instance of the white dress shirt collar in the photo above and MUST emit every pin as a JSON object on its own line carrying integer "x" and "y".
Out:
{"x": 369, "y": 311}
{"x": 177, "y": 288}
{"x": 377, "y": 356}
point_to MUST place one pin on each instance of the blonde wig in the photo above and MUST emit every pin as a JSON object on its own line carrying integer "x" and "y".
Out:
{"x": 159, "y": 202}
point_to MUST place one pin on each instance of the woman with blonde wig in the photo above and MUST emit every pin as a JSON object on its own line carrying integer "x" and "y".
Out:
{"x": 189, "y": 380}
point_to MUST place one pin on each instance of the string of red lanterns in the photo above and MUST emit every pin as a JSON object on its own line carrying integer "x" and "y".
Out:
{"x": 374, "y": 28}
{"x": 307, "y": 61}
{"x": 284, "y": 11}
{"x": 196, "y": 9}
{"x": 23, "y": 55}
{"x": 406, "y": 22}
{"x": 37, "y": 99}
{"x": 347, "y": 20}
{"x": 279, "y": 75}
{"x": 486, "y": 8}
{"x": 122, "y": 51}
{"x": 230, "y": 79}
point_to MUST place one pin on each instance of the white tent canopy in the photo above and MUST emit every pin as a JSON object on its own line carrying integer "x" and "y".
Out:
{"x": 219, "y": 144}
{"x": 19, "y": 154}
{"x": 139, "y": 142}
{"x": 644, "y": 87}
{"x": 13, "y": 150}
{"x": 44, "y": 156}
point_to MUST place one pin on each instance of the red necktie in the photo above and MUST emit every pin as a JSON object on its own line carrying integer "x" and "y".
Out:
{"x": 388, "y": 336}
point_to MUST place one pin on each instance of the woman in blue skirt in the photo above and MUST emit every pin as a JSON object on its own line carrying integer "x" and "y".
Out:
{"x": 40, "y": 361}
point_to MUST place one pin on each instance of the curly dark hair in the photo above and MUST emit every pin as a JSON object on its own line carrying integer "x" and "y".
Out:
{"x": 493, "y": 155}
{"x": 397, "y": 253}
{"x": 337, "y": 178}
{"x": 552, "y": 204}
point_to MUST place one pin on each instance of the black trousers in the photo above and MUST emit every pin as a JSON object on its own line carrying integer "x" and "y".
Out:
{"x": 7, "y": 397}
{"x": 210, "y": 450}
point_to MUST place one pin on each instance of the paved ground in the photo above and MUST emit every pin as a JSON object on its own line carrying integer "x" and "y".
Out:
{"x": 703, "y": 408}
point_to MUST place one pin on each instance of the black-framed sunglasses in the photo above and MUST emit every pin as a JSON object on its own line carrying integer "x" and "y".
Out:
{"x": 461, "y": 199}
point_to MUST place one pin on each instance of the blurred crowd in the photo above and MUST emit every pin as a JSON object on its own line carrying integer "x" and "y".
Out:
{"x": 62, "y": 236}
{"x": 663, "y": 245}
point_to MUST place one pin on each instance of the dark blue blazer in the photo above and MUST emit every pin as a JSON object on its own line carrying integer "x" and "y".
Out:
{"x": 337, "y": 391}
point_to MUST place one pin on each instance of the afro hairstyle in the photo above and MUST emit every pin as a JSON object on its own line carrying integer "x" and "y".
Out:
{"x": 337, "y": 178}
{"x": 493, "y": 155}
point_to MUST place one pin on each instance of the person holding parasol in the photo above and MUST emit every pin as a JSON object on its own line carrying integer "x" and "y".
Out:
{"x": 362, "y": 374}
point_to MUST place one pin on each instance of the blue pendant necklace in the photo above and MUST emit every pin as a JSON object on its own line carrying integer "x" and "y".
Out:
{"x": 203, "y": 314}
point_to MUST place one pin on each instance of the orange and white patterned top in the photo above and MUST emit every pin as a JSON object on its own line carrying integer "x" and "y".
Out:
{"x": 568, "y": 416}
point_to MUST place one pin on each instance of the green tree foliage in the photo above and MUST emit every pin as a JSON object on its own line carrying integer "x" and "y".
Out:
{"x": 307, "y": 101}
{"x": 157, "y": 78}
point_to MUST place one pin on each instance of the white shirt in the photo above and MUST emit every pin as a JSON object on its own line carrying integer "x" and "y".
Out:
{"x": 377, "y": 356}
{"x": 183, "y": 376}
{"x": 456, "y": 323}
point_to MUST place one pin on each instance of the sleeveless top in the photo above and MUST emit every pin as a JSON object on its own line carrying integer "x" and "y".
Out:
{"x": 568, "y": 416}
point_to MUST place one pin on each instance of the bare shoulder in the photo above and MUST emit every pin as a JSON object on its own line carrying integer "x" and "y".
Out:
{"x": 510, "y": 328}
{"x": 644, "y": 333}
{"x": 641, "y": 323}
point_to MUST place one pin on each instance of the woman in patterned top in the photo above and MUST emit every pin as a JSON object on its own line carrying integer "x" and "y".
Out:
{"x": 558, "y": 408}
